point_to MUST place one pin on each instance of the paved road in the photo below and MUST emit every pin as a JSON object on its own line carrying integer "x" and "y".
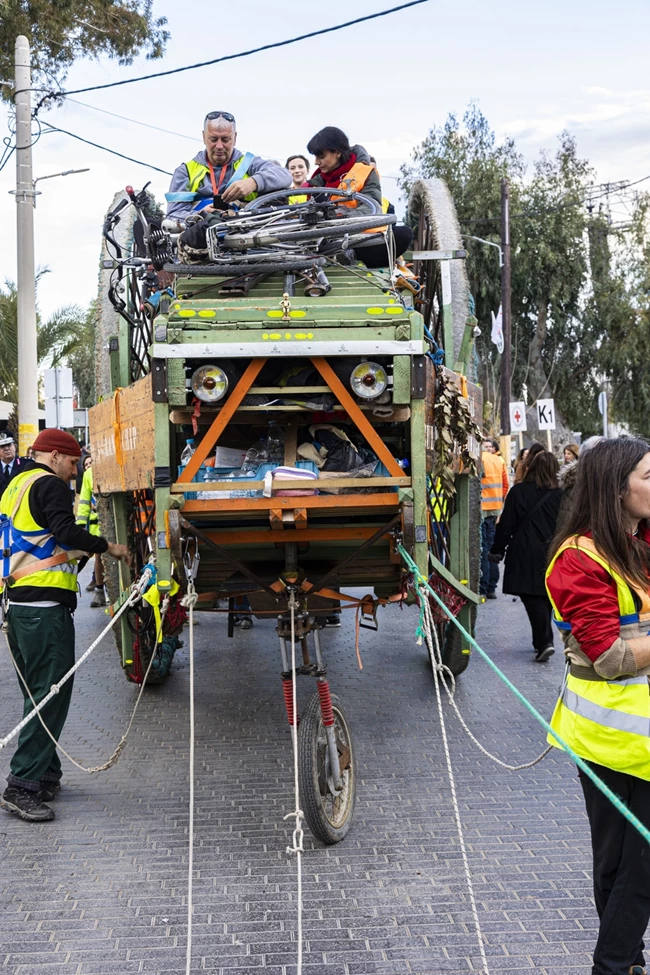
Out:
{"x": 101, "y": 891}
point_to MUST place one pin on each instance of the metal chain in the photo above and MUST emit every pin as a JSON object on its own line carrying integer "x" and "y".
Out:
{"x": 432, "y": 641}
{"x": 298, "y": 834}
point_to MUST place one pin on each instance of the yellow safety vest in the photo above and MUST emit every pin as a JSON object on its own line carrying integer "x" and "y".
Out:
{"x": 298, "y": 198}
{"x": 35, "y": 557}
{"x": 197, "y": 172}
{"x": 87, "y": 515}
{"x": 606, "y": 721}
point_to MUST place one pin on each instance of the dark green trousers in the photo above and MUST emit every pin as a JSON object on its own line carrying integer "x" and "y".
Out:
{"x": 42, "y": 644}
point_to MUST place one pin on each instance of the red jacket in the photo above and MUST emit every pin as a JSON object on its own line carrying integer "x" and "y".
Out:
{"x": 585, "y": 595}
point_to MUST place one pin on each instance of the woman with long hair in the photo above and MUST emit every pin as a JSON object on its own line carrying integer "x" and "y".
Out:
{"x": 599, "y": 584}
{"x": 524, "y": 459}
{"x": 523, "y": 533}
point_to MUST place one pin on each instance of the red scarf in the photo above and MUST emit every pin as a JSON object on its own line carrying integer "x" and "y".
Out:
{"x": 334, "y": 178}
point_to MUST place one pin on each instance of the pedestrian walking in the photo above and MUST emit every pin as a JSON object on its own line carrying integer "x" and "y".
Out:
{"x": 494, "y": 487}
{"x": 39, "y": 577}
{"x": 523, "y": 534}
{"x": 599, "y": 583}
{"x": 527, "y": 457}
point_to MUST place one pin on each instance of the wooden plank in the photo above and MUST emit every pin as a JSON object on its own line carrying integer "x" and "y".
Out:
{"x": 449, "y": 577}
{"x": 222, "y": 419}
{"x": 361, "y": 502}
{"x": 300, "y": 519}
{"x": 251, "y": 414}
{"x": 345, "y": 399}
{"x": 122, "y": 439}
{"x": 258, "y": 536}
{"x": 275, "y": 518}
{"x": 302, "y": 483}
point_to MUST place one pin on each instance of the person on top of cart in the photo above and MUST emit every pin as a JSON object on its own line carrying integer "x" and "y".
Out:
{"x": 343, "y": 166}
{"x": 298, "y": 166}
{"x": 220, "y": 169}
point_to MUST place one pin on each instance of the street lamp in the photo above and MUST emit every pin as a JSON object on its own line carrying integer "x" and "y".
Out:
{"x": 490, "y": 243}
{"x": 66, "y": 172}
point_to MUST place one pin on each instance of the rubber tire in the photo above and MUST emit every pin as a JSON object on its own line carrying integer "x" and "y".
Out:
{"x": 452, "y": 644}
{"x": 327, "y": 228}
{"x": 237, "y": 270}
{"x": 308, "y": 730}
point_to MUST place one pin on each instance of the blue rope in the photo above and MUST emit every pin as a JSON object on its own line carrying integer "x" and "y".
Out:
{"x": 582, "y": 765}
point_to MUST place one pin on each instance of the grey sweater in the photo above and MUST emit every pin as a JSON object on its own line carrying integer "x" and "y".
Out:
{"x": 269, "y": 177}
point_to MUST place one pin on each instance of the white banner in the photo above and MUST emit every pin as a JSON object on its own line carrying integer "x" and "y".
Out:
{"x": 545, "y": 414}
{"x": 517, "y": 417}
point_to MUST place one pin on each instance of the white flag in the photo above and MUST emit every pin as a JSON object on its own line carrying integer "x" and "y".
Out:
{"x": 497, "y": 330}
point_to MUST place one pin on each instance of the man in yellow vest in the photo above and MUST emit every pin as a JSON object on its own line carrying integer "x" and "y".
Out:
{"x": 220, "y": 169}
{"x": 40, "y": 552}
{"x": 494, "y": 487}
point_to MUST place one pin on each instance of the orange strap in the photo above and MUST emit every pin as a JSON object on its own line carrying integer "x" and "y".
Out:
{"x": 213, "y": 180}
{"x": 53, "y": 560}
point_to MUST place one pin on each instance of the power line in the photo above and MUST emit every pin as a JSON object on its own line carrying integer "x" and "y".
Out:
{"x": 138, "y": 162}
{"x": 124, "y": 118}
{"x": 241, "y": 54}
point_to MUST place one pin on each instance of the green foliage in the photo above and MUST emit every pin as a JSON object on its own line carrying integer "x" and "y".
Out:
{"x": 454, "y": 428}
{"x": 57, "y": 338}
{"x": 61, "y": 32}
{"x": 82, "y": 360}
{"x": 554, "y": 345}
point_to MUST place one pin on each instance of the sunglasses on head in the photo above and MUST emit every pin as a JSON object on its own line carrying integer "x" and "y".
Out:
{"x": 212, "y": 115}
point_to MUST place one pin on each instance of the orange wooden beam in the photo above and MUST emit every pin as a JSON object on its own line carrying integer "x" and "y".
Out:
{"x": 222, "y": 419}
{"x": 360, "y": 420}
{"x": 363, "y": 502}
{"x": 260, "y": 536}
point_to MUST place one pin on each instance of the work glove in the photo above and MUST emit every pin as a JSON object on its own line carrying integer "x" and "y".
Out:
{"x": 192, "y": 247}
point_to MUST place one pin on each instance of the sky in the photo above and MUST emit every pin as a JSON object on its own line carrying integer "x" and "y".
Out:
{"x": 533, "y": 69}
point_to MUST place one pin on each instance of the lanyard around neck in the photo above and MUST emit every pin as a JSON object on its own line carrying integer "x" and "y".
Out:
{"x": 213, "y": 180}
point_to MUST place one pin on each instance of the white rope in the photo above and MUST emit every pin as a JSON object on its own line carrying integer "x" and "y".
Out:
{"x": 298, "y": 834}
{"x": 444, "y": 672}
{"x": 432, "y": 640}
{"x": 122, "y": 742}
{"x": 136, "y": 592}
{"x": 190, "y": 600}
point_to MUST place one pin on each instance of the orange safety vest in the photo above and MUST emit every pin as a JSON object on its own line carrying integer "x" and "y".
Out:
{"x": 354, "y": 180}
{"x": 492, "y": 493}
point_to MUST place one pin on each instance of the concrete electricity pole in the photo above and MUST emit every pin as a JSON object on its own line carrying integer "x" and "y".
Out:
{"x": 506, "y": 392}
{"x": 26, "y": 277}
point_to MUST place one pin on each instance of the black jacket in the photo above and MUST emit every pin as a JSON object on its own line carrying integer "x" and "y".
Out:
{"x": 50, "y": 505}
{"x": 20, "y": 464}
{"x": 524, "y": 539}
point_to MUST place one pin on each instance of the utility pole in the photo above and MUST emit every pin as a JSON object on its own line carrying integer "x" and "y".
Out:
{"x": 26, "y": 276}
{"x": 506, "y": 392}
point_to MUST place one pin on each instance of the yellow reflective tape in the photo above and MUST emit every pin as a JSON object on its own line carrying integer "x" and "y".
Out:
{"x": 393, "y": 311}
{"x": 375, "y": 311}
{"x": 265, "y": 335}
{"x": 287, "y": 335}
{"x": 207, "y": 314}
{"x": 187, "y": 314}
{"x": 298, "y": 313}
{"x": 275, "y": 335}
{"x": 274, "y": 313}
{"x": 310, "y": 335}
{"x": 300, "y": 335}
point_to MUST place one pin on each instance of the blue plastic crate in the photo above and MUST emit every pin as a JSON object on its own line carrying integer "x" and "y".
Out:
{"x": 262, "y": 470}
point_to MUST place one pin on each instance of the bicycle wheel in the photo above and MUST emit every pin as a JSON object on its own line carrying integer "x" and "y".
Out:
{"x": 326, "y": 228}
{"x": 277, "y": 266}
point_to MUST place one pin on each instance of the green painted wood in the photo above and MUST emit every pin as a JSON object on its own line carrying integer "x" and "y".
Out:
{"x": 120, "y": 521}
{"x": 402, "y": 379}
{"x": 176, "y": 391}
{"x": 114, "y": 360}
{"x": 459, "y": 527}
{"x": 162, "y": 453}
{"x": 419, "y": 481}
{"x": 449, "y": 577}
{"x": 288, "y": 331}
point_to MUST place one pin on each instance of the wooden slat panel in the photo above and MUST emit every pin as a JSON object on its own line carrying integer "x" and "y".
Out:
{"x": 122, "y": 439}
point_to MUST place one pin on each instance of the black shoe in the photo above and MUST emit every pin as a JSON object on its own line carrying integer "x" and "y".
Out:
{"x": 542, "y": 655}
{"x": 26, "y": 804}
{"x": 49, "y": 791}
{"x": 245, "y": 623}
{"x": 332, "y": 621}
{"x": 490, "y": 595}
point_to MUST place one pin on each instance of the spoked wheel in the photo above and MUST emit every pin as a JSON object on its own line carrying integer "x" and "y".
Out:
{"x": 328, "y": 812}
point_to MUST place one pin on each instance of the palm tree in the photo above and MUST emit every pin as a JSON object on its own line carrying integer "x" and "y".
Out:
{"x": 57, "y": 338}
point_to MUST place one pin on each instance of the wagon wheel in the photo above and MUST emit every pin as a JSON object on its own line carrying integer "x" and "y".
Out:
{"x": 432, "y": 207}
{"x": 328, "y": 813}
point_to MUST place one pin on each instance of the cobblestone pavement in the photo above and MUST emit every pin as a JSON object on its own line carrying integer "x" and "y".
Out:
{"x": 101, "y": 891}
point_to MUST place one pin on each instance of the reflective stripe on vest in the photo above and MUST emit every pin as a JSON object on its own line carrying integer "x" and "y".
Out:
{"x": 491, "y": 483}
{"x": 30, "y": 544}
{"x": 197, "y": 172}
{"x": 606, "y": 722}
{"x": 625, "y": 591}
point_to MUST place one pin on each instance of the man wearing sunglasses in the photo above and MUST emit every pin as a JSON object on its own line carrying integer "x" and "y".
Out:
{"x": 221, "y": 170}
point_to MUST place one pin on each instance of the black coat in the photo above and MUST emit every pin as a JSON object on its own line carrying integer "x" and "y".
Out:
{"x": 20, "y": 464}
{"x": 525, "y": 540}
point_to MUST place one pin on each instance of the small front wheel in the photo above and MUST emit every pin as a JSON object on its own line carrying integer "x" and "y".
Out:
{"x": 328, "y": 812}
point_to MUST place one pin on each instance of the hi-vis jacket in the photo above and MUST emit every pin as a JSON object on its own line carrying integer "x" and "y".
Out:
{"x": 31, "y": 556}
{"x": 494, "y": 483}
{"x": 606, "y": 721}
{"x": 194, "y": 176}
{"x": 87, "y": 515}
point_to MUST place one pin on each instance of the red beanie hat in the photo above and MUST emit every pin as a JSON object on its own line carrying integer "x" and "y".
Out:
{"x": 49, "y": 440}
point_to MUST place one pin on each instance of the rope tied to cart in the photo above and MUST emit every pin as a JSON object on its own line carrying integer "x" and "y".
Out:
{"x": 137, "y": 591}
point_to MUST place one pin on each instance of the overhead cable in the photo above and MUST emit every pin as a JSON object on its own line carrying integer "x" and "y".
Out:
{"x": 241, "y": 54}
{"x": 138, "y": 162}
